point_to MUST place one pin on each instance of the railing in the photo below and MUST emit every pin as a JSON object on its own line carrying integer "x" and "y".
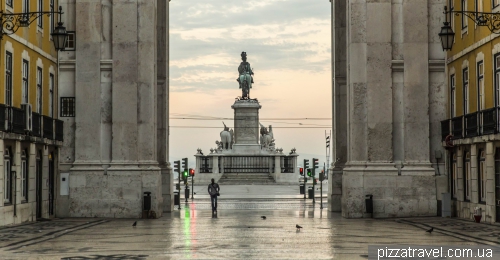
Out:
{"x": 205, "y": 165}
{"x": 247, "y": 164}
{"x": 287, "y": 164}
{"x": 457, "y": 127}
{"x": 471, "y": 124}
{"x": 445, "y": 128}
{"x": 36, "y": 120}
{"x": 489, "y": 122}
{"x": 4, "y": 126}
{"x": 48, "y": 127}
{"x": 59, "y": 129}
{"x": 18, "y": 122}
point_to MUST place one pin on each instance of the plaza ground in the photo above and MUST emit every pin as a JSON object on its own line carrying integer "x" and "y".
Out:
{"x": 236, "y": 231}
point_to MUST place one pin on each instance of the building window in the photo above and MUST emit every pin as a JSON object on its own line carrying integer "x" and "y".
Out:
{"x": 51, "y": 95}
{"x": 481, "y": 176}
{"x": 466, "y": 90}
{"x": 8, "y": 79}
{"x": 52, "y": 16}
{"x": 467, "y": 179}
{"x": 67, "y": 107}
{"x": 497, "y": 79}
{"x": 40, "y": 9}
{"x": 25, "y": 81}
{"x": 452, "y": 96}
{"x": 39, "y": 81}
{"x": 26, "y": 6}
{"x": 480, "y": 86}
{"x": 9, "y": 3}
{"x": 496, "y": 3}
{"x": 454, "y": 179}
{"x": 24, "y": 177}
{"x": 464, "y": 18}
{"x": 7, "y": 194}
{"x": 71, "y": 41}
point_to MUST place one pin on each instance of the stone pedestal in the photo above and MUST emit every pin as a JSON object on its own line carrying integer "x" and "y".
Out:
{"x": 246, "y": 122}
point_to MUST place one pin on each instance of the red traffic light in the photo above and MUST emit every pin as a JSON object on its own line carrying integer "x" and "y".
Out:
{"x": 191, "y": 172}
{"x": 301, "y": 171}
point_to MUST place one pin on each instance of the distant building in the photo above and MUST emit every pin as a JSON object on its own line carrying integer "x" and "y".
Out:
{"x": 471, "y": 128}
{"x": 30, "y": 133}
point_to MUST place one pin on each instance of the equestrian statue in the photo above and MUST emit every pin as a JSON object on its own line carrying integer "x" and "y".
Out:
{"x": 245, "y": 79}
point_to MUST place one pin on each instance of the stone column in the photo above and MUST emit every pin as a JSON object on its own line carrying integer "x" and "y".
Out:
{"x": 490, "y": 183}
{"x": 215, "y": 167}
{"x": 162, "y": 96}
{"x": 88, "y": 83}
{"x": 277, "y": 167}
{"x": 416, "y": 82}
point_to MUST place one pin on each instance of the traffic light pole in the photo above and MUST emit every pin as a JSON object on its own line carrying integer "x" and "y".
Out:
{"x": 192, "y": 187}
{"x": 314, "y": 184}
{"x": 179, "y": 189}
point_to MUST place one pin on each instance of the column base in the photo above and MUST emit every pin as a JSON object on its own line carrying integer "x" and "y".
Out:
{"x": 408, "y": 192}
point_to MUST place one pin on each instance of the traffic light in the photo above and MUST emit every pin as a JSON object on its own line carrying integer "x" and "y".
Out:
{"x": 185, "y": 174}
{"x": 306, "y": 163}
{"x": 191, "y": 172}
{"x": 309, "y": 172}
{"x": 322, "y": 175}
{"x": 301, "y": 171}
{"x": 185, "y": 164}
{"x": 315, "y": 165}
{"x": 177, "y": 166}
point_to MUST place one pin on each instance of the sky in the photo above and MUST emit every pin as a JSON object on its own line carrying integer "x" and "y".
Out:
{"x": 288, "y": 44}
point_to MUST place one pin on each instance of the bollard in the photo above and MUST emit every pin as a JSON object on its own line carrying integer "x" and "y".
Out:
{"x": 310, "y": 193}
{"x": 369, "y": 203}
{"x": 147, "y": 200}
{"x": 177, "y": 199}
{"x": 302, "y": 188}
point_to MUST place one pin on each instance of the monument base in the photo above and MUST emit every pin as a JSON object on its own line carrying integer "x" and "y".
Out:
{"x": 247, "y": 149}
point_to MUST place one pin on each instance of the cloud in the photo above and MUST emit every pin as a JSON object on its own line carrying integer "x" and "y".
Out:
{"x": 288, "y": 45}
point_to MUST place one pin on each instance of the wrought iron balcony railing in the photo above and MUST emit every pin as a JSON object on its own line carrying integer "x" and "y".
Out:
{"x": 471, "y": 124}
{"x": 18, "y": 120}
{"x": 36, "y": 124}
{"x": 48, "y": 127}
{"x": 457, "y": 127}
{"x": 4, "y": 123}
{"x": 489, "y": 121}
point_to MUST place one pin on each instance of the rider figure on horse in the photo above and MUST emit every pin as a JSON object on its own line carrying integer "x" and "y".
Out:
{"x": 245, "y": 79}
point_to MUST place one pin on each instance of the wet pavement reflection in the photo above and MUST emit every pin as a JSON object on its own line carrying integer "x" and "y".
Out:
{"x": 236, "y": 231}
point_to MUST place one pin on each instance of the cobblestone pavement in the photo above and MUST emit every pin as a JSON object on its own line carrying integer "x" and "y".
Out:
{"x": 236, "y": 232}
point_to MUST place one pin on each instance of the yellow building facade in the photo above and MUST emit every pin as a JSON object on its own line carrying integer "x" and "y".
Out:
{"x": 471, "y": 131}
{"x": 30, "y": 132}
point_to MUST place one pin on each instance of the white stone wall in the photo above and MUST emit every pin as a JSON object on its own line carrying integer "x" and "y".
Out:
{"x": 116, "y": 147}
{"x": 394, "y": 74}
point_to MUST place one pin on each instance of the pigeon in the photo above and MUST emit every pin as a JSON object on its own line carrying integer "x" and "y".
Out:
{"x": 298, "y": 227}
{"x": 430, "y": 230}
{"x": 263, "y": 217}
{"x": 135, "y": 224}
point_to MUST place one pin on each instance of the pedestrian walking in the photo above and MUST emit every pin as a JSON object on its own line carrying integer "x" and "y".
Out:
{"x": 213, "y": 190}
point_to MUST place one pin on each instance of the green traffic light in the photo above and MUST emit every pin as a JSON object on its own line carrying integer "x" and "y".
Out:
{"x": 309, "y": 172}
{"x": 185, "y": 173}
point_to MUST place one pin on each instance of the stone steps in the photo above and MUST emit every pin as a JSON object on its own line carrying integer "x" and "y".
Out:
{"x": 246, "y": 178}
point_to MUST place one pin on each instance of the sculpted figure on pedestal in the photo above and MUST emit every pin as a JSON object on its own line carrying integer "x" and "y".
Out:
{"x": 226, "y": 138}
{"x": 266, "y": 137}
{"x": 245, "y": 79}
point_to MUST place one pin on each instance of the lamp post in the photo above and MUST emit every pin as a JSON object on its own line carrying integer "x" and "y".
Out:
{"x": 490, "y": 20}
{"x": 11, "y": 22}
